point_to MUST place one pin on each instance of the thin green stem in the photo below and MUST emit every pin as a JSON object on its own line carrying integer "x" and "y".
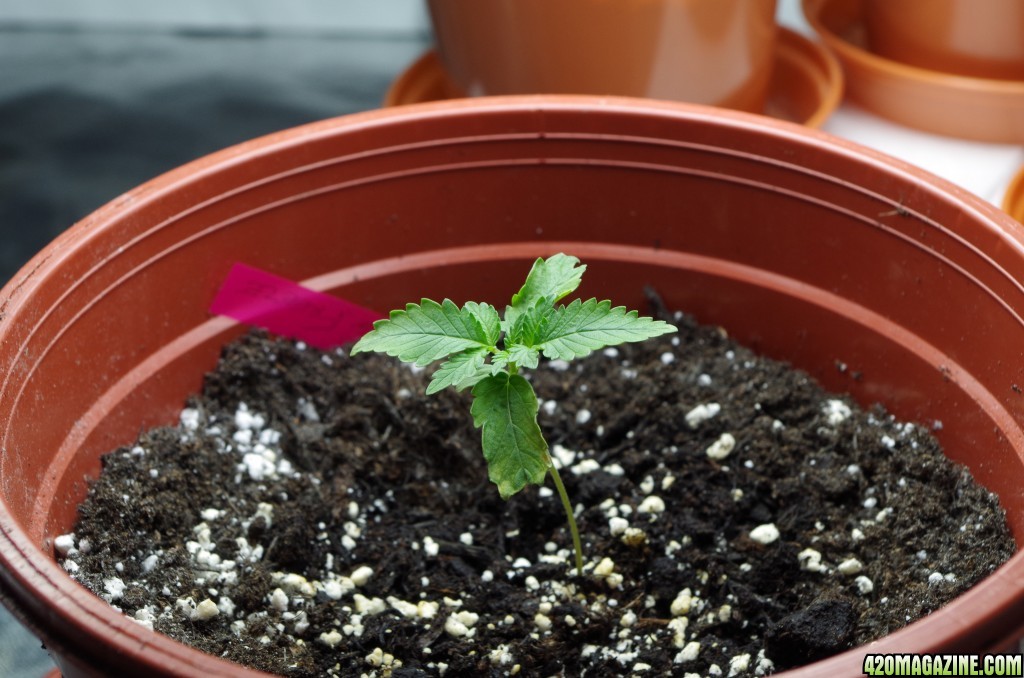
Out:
{"x": 567, "y": 505}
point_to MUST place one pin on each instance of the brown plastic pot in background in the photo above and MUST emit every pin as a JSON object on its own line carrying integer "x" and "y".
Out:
{"x": 965, "y": 37}
{"x": 806, "y": 83}
{"x": 983, "y": 109}
{"x": 716, "y": 52}
{"x": 1013, "y": 199}
{"x": 806, "y": 247}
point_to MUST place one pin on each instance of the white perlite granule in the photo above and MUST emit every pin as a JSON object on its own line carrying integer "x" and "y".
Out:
{"x": 701, "y": 413}
{"x": 765, "y": 534}
{"x": 721, "y": 448}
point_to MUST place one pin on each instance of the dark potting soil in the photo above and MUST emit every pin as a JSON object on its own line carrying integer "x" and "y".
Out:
{"x": 316, "y": 514}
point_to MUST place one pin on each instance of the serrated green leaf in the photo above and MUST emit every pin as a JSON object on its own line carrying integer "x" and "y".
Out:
{"x": 461, "y": 370}
{"x": 505, "y": 408}
{"x": 425, "y": 332}
{"x": 549, "y": 279}
{"x": 499, "y": 361}
{"x": 575, "y": 330}
{"x": 489, "y": 319}
{"x": 526, "y": 324}
{"x": 524, "y": 356}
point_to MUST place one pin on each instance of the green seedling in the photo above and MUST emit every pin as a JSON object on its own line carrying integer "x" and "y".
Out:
{"x": 485, "y": 351}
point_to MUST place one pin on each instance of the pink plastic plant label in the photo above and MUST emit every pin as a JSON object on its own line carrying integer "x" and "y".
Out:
{"x": 283, "y": 307}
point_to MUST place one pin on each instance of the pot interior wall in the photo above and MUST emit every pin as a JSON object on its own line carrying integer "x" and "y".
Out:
{"x": 812, "y": 328}
{"x": 809, "y": 251}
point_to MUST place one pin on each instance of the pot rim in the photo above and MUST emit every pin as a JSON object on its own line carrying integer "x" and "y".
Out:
{"x": 67, "y": 605}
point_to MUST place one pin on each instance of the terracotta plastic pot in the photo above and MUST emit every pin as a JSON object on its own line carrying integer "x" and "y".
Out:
{"x": 967, "y": 37}
{"x": 808, "y": 248}
{"x": 806, "y": 83}
{"x": 983, "y": 109}
{"x": 1013, "y": 199}
{"x": 704, "y": 51}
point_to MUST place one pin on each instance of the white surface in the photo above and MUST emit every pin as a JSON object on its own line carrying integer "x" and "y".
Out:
{"x": 319, "y": 16}
{"x": 982, "y": 168}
